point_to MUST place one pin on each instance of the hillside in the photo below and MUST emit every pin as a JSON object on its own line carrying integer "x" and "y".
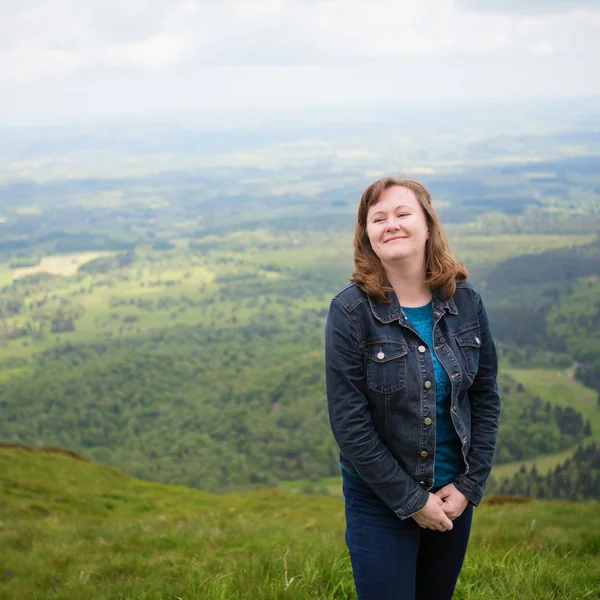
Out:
{"x": 549, "y": 300}
{"x": 73, "y": 529}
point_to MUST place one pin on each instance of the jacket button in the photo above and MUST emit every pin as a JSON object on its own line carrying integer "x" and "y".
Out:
{"x": 427, "y": 421}
{"x": 477, "y": 340}
{"x": 454, "y": 407}
{"x": 424, "y": 454}
{"x": 422, "y": 348}
{"x": 428, "y": 384}
{"x": 465, "y": 439}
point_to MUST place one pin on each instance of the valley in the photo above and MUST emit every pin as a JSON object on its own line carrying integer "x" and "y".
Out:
{"x": 170, "y": 322}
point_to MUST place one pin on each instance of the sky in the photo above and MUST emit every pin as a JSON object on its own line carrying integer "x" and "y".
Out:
{"x": 72, "y": 60}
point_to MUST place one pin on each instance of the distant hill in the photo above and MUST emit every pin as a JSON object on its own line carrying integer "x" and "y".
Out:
{"x": 74, "y": 529}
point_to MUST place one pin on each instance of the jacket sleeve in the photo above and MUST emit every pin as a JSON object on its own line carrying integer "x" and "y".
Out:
{"x": 351, "y": 422}
{"x": 485, "y": 414}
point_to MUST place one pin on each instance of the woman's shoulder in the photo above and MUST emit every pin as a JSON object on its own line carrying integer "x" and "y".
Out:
{"x": 467, "y": 286}
{"x": 351, "y": 296}
{"x": 466, "y": 291}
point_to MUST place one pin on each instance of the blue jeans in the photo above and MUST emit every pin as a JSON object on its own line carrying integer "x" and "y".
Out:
{"x": 395, "y": 559}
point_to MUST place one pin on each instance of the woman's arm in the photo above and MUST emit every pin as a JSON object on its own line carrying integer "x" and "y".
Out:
{"x": 485, "y": 413}
{"x": 351, "y": 421}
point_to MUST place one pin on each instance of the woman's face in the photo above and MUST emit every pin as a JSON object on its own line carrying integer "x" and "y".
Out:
{"x": 397, "y": 227}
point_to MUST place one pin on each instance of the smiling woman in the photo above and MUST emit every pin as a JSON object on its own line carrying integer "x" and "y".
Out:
{"x": 412, "y": 395}
{"x": 402, "y": 209}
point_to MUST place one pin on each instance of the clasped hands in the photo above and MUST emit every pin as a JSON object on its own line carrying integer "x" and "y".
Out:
{"x": 441, "y": 509}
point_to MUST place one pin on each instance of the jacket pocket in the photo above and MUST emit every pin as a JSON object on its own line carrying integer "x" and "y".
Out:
{"x": 386, "y": 366}
{"x": 469, "y": 343}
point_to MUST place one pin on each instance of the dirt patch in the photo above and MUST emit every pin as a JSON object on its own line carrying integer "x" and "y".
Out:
{"x": 65, "y": 265}
{"x": 44, "y": 450}
{"x": 500, "y": 499}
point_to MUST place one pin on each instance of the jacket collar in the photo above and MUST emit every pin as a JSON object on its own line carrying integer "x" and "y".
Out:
{"x": 386, "y": 313}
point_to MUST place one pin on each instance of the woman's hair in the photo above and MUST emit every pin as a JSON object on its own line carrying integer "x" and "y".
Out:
{"x": 440, "y": 267}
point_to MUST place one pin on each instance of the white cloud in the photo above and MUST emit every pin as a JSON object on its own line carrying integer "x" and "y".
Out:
{"x": 543, "y": 48}
{"x": 526, "y": 6}
{"x": 153, "y": 53}
{"x": 29, "y": 63}
{"x": 181, "y": 54}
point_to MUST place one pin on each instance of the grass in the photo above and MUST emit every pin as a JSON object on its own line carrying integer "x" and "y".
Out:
{"x": 5, "y": 275}
{"x": 73, "y": 529}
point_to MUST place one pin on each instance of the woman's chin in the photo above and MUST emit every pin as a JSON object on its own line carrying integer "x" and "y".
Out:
{"x": 397, "y": 256}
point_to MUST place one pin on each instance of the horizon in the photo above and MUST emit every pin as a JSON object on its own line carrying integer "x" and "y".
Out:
{"x": 254, "y": 118}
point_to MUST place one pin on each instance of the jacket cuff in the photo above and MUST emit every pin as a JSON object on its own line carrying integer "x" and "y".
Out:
{"x": 467, "y": 487}
{"x": 416, "y": 502}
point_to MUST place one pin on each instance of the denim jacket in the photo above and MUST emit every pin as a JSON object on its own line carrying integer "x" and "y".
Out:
{"x": 381, "y": 392}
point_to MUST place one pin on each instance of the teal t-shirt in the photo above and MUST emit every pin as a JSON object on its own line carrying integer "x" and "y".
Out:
{"x": 448, "y": 453}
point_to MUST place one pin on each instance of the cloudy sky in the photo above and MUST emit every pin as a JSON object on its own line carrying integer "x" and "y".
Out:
{"x": 68, "y": 59}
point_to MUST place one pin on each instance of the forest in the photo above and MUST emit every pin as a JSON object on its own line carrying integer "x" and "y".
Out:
{"x": 576, "y": 479}
{"x": 171, "y": 323}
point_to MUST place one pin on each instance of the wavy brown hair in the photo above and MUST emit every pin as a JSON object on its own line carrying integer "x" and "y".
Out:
{"x": 441, "y": 269}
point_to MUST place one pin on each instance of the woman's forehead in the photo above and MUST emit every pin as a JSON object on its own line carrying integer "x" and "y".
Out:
{"x": 393, "y": 197}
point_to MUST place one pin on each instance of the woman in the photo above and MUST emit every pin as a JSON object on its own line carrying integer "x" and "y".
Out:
{"x": 412, "y": 395}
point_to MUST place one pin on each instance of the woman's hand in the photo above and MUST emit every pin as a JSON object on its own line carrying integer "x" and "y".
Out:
{"x": 453, "y": 501}
{"x": 431, "y": 516}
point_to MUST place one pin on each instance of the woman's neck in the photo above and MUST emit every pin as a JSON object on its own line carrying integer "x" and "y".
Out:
{"x": 409, "y": 285}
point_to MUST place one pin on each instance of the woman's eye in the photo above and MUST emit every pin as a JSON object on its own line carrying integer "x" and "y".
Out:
{"x": 379, "y": 220}
{"x": 403, "y": 215}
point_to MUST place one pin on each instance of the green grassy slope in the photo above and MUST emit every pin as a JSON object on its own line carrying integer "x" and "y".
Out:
{"x": 72, "y": 529}
{"x": 560, "y": 388}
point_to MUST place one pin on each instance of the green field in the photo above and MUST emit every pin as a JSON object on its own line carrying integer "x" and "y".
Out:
{"x": 74, "y": 530}
{"x": 561, "y": 388}
{"x": 558, "y": 388}
{"x": 181, "y": 272}
{"x": 5, "y": 276}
